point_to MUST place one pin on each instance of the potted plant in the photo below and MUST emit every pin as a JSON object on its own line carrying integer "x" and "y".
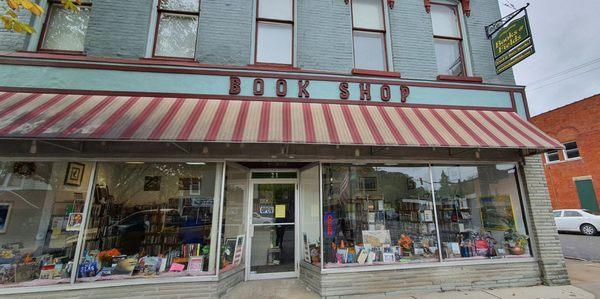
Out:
{"x": 516, "y": 242}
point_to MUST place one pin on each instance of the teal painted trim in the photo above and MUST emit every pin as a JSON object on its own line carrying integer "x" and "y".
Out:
{"x": 148, "y": 82}
{"x": 520, "y": 103}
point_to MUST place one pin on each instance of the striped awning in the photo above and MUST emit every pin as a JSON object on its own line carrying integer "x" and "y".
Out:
{"x": 90, "y": 117}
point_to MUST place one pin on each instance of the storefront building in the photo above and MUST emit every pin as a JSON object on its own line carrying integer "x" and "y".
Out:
{"x": 572, "y": 173}
{"x": 181, "y": 147}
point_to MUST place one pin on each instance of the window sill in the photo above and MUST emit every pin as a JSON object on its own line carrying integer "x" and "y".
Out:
{"x": 273, "y": 66}
{"x": 460, "y": 79}
{"x": 431, "y": 265}
{"x": 55, "y": 52}
{"x": 375, "y": 73}
{"x": 564, "y": 161}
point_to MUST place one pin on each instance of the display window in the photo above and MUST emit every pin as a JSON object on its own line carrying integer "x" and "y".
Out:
{"x": 233, "y": 231}
{"x": 41, "y": 214}
{"x": 152, "y": 220}
{"x": 377, "y": 214}
{"x": 479, "y": 212}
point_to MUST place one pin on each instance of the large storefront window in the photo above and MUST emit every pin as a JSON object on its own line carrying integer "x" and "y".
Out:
{"x": 377, "y": 215}
{"x": 41, "y": 205}
{"x": 479, "y": 212}
{"x": 233, "y": 231}
{"x": 152, "y": 220}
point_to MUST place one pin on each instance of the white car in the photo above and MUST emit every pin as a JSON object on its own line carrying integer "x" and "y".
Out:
{"x": 577, "y": 220}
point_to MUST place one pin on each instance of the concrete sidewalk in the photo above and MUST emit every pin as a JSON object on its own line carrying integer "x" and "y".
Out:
{"x": 585, "y": 275}
{"x": 294, "y": 289}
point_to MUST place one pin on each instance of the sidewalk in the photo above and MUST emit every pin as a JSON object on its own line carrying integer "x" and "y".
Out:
{"x": 585, "y": 275}
{"x": 294, "y": 289}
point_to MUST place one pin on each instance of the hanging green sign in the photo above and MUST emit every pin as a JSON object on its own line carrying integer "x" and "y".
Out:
{"x": 512, "y": 44}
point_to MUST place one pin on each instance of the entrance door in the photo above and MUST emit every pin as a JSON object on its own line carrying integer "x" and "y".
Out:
{"x": 272, "y": 230}
{"x": 587, "y": 196}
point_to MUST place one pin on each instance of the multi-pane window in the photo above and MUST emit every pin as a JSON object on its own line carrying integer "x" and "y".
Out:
{"x": 571, "y": 150}
{"x": 447, "y": 37}
{"x": 275, "y": 31}
{"x": 176, "y": 28}
{"x": 552, "y": 156}
{"x": 369, "y": 35}
{"x": 65, "y": 30}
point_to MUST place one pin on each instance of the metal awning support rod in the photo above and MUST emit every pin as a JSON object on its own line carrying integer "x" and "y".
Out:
{"x": 62, "y": 146}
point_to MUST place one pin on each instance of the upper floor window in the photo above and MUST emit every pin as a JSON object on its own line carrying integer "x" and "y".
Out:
{"x": 275, "y": 31}
{"x": 176, "y": 28}
{"x": 571, "y": 150}
{"x": 552, "y": 156}
{"x": 65, "y": 30}
{"x": 368, "y": 33}
{"x": 448, "y": 39}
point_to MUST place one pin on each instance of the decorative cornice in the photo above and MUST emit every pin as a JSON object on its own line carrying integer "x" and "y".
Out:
{"x": 466, "y": 6}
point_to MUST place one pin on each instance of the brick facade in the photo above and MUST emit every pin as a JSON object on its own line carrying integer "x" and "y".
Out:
{"x": 575, "y": 122}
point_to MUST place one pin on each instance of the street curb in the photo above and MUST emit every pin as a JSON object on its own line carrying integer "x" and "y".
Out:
{"x": 581, "y": 259}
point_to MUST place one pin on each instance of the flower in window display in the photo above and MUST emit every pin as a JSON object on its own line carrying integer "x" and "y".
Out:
{"x": 106, "y": 257}
{"x": 406, "y": 243}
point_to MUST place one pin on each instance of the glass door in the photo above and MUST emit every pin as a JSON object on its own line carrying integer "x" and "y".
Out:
{"x": 272, "y": 230}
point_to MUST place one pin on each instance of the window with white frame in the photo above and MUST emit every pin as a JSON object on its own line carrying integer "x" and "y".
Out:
{"x": 552, "y": 156}
{"x": 176, "y": 28}
{"x": 448, "y": 39}
{"x": 275, "y": 32}
{"x": 368, "y": 33}
{"x": 65, "y": 30}
{"x": 571, "y": 150}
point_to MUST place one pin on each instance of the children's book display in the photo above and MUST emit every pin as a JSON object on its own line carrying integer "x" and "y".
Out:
{"x": 402, "y": 233}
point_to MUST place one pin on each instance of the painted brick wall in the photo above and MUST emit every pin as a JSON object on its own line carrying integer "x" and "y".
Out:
{"x": 483, "y": 13}
{"x": 12, "y": 41}
{"x": 225, "y": 34}
{"x": 118, "y": 28}
{"x": 412, "y": 40}
{"x": 575, "y": 122}
{"x": 547, "y": 247}
{"x": 324, "y": 35}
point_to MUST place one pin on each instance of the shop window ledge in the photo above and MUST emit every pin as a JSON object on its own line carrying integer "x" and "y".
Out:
{"x": 376, "y": 73}
{"x": 273, "y": 66}
{"x": 472, "y": 79}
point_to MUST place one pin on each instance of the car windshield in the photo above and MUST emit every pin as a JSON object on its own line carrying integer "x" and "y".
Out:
{"x": 592, "y": 212}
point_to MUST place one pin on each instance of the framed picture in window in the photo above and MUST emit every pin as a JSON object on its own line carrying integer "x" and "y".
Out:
{"x": 152, "y": 183}
{"x": 368, "y": 184}
{"x": 74, "y": 175}
{"x": 190, "y": 184}
{"x": 4, "y": 216}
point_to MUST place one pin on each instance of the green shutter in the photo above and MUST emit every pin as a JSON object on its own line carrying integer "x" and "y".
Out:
{"x": 587, "y": 196}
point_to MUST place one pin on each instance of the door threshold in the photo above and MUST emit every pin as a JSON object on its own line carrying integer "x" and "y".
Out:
{"x": 264, "y": 276}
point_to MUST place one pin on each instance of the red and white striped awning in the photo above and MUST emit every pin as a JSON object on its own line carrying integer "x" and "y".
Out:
{"x": 90, "y": 117}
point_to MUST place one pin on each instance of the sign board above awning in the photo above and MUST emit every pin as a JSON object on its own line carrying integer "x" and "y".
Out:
{"x": 511, "y": 40}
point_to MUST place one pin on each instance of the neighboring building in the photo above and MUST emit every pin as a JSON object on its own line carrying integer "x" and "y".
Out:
{"x": 177, "y": 148}
{"x": 573, "y": 174}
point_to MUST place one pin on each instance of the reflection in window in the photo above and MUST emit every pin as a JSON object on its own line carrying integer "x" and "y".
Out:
{"x": 177, "y": 28}
{"x": 41, "y": 205}
{"x": 552, "y": 156}
{"x": 377, "y": 215}
{"x": 571, "y": 150}
{"x": 447, "y": 39}
{"x": 151, "y": 219}
{"x": 479, "y": 211}
{"x": 234, "y": 215}
{"x": 65, "y": 30}
{"x": 369, "y": 35}
{"x": 274, "y": 31}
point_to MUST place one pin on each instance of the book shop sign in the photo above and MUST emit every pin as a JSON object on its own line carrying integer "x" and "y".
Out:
{"x": 512, "y": 44}
{"x": 301, "y": 88}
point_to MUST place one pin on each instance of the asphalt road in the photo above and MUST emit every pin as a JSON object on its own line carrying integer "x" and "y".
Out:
{"x": 581, "y": 247}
